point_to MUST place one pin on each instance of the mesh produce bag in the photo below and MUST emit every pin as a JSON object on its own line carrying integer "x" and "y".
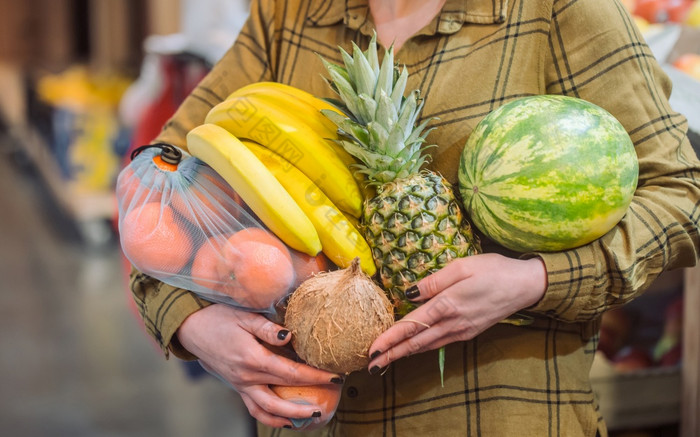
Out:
{"x": 181, "y": 223}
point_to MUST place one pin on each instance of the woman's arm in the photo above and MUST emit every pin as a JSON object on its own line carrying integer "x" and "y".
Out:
{"x": 233, "y": 344}
{"x": 163, "y": 307}
{"x": 596, "y": 53}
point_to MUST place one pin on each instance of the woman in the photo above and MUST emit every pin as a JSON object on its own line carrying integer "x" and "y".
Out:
{"x": 467, "y": 58}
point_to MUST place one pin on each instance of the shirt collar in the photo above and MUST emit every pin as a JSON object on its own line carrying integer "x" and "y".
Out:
{"x": 454, "y": 14}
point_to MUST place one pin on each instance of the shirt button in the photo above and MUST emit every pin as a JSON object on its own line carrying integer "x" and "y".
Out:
{"x": 352, "y": 392}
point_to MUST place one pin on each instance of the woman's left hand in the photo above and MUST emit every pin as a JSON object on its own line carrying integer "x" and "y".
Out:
{"x": 460, "y": 301}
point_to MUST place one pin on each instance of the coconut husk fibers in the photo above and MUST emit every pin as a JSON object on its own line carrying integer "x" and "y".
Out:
{"x": 335, "y": 316}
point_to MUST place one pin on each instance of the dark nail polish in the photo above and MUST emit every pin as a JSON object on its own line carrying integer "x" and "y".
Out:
{"x": 287, "y": 426}
{"x": 374, "y": 370}
{"x": 375, "y": 354}
{"x": 282, "y": 334}
{"x": 316, "y": 414}
{"x": 337, "y": 380}
{"x": 412, "y": 292}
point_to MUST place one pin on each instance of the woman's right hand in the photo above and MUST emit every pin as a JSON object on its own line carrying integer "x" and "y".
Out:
{"x": 227, "y": 342}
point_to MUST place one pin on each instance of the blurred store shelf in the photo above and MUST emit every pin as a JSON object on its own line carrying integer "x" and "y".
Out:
{"x": 75, "y": 359}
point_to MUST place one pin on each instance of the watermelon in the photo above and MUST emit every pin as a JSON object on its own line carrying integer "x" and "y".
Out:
{"x": 547, "y": 173}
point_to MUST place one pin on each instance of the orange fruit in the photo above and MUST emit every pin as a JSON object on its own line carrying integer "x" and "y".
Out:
{"x": 210, "y": 202}
{"x": 325, "y": 396}
{"x": 262, "y": 265}
{"x": 306, "y": 265}
{"x": 154, "y": 239}
{"x": 212, "y": 271}
{"x": 261, "y": 236}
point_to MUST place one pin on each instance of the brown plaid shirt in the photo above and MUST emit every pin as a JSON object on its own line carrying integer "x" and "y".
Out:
{"x": 475, "y": 56}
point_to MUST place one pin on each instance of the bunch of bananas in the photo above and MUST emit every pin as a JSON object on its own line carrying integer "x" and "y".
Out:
{"x": 271, "y": 143}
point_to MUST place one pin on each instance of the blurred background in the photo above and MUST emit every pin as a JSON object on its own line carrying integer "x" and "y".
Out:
{"x": 83, "y": 83}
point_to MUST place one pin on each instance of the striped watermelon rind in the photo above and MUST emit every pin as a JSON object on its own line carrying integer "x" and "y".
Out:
{"x": 547, "y": 173}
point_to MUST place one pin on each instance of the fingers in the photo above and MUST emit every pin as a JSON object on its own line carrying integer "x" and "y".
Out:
{"x": 268, "y": 408}
{"x": 262, "y": 368}
{"x": 264, "y": 329}
{"x": 426, "y": 340}
{"x": 417, "y": 321}
{"x": 409, "y": 346}
{"x": 263, "y": 416}
{"x": 282, "y": 371}
{"x": 281, "y": 368}
{"x": 435, "y": 283}
{"x": 252, "y": 351}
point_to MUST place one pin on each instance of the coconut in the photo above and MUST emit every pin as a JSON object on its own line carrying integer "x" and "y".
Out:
{"x": 335, "y": 316}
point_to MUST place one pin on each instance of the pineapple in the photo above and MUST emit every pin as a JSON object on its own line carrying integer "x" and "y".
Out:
{"x": 414, "y": 224}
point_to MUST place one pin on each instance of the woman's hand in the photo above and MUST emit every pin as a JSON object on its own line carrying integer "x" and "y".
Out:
{"x": 460, "y": 301}
{"x": 227, "y": 342}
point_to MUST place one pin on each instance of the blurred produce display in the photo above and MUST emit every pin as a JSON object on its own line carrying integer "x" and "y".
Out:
{"x": 631, "y": 340}
{"x": 663, "y": 11}
{"x": 642, "y": 334}
{"x": 86, "y": 134}
{"x": 636, "y": 373}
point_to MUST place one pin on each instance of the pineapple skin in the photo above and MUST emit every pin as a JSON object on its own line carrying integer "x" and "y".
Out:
{"x": 415, "y": 226}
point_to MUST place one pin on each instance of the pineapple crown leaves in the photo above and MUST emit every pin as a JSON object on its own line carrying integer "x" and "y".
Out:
{"x": 379, "y": 126}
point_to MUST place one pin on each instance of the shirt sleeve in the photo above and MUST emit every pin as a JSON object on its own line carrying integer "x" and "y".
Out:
{"x": 164, "y": 307}
{"x": 596, "y": 53}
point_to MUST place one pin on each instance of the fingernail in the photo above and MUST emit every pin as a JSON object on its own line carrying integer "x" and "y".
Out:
{"x": 375, "y": 354}
{"x": 282, "y": 334}
{"x": 287, "y": 426}
{"x": 337, "y": 380}
{"x": 316, "y": 414}
{"x": 412, "y": 292}
{"x": 374, "y": 370}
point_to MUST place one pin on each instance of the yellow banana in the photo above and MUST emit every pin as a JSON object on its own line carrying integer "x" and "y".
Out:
{"x": 255, "y": 119}
{"x": 279, "y": 90}
{"x": 304, "y": 106}
{"x": 258, "y": 188}
{"x": 299, "y": 93}
{"x": 301, "y": 109}
{"x": 307, "y": 108}
{"x": 340, "y": 239}
{"x": 355, "y": 222}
